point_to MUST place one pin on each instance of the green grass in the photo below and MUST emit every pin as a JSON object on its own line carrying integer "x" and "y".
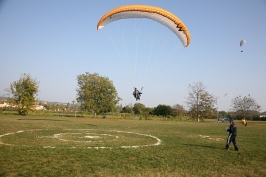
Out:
{"x": 64, "y": 146}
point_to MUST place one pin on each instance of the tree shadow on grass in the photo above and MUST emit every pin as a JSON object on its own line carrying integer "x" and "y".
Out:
{"x": 56, "y": 120}
{"x": 200, "y": 145}
{"x": 93, "y": 125}
{"x": 2, "y": 174}
{"x": 46, "y": 119}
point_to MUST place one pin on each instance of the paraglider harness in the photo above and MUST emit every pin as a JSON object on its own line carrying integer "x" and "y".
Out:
{"x": 137, "y": 93}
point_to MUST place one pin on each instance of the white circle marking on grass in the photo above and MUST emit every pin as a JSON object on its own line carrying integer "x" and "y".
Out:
{"x": 89, "y": 136}
{"x": 210, "y": 138}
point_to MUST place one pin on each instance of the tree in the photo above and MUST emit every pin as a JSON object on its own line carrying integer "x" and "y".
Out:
{"x": 199, "y": 101}
{"x": 163, "y": 110}
{"x": 22, "y": 93}
{"x": 178, "y": 110}
{"x": 127, "y": 109}
{"x": 142, "y": 110}
{"x": 245, "y": 106}
{"x": 222, "y": 114}
{"x": 138, "y": 108}
{"x": 96, "y": 94}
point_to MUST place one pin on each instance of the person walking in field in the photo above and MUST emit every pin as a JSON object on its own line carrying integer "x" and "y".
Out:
{"x": 232, "y": 135}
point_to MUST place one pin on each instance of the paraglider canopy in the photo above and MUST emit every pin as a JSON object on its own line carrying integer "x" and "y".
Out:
{"x": 242, "y": 43}
{"x": 160, "y": 15}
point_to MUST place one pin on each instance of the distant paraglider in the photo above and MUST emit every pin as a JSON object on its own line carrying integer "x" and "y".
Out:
{"x": 242, "y": 43}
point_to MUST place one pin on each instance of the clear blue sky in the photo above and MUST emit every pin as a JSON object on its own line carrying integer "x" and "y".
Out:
{"x": 56, "y": 40}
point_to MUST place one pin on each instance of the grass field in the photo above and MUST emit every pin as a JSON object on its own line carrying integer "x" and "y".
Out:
{"x": 59, "y": 146}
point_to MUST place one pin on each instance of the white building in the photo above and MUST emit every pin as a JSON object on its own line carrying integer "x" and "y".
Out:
{"x": 3, "y": 104}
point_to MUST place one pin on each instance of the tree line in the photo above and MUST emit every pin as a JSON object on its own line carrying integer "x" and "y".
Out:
{"x": 97, "y": 95}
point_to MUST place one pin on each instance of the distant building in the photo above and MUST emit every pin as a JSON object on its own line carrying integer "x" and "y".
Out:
{"x": 3, "y": 104}
{"x": 38, "y": 107}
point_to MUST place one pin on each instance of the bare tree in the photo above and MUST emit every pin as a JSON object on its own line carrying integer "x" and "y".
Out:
{"x": 245, "y": 106}
{"x": 199, "y": 101}
{"x": 178, "y": 110}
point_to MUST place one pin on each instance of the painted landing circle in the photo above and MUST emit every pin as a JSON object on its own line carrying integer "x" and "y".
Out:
{"x": 78, "y": 138}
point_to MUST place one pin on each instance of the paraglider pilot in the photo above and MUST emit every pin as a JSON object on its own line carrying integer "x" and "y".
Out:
{"x": 137, "y": 94}
{"x": 232, "y": 135}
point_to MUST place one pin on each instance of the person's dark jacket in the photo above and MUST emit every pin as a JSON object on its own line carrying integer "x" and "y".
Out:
{"x": 232, "y": 128}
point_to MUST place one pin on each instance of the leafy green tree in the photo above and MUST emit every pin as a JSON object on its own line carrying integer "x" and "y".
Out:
{"x": 199, "y": 101}
{"x": 96, "y": 94}
{"x": 149, "y": 111}
{"x": 138, "y": 108}
{"x": 163, "y": 110}
{"x": 22, "y": 93}
{"x": 222, "y": 114}
{"x": 245, "y": 106}
{"x": 127, "y": 109}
